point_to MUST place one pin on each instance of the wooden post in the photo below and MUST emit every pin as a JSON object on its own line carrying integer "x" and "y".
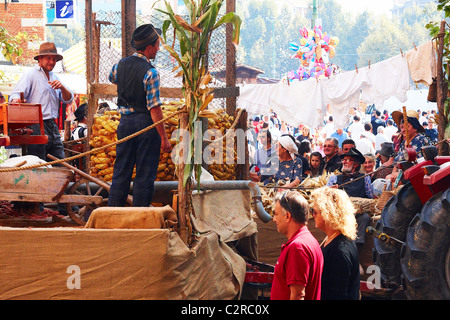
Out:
{"x": 231, "y": 60}
{"x": 89, "y": 74}
{"x": 183, "y": 191}
{"x": 441, "y": 92}
{"x": 128, "y": 26}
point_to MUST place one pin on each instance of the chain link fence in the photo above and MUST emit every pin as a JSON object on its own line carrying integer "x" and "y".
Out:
{"x": 109, "y": 49}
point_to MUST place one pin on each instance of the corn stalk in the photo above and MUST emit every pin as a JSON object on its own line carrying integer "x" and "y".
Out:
{"x": 194, "y": 37}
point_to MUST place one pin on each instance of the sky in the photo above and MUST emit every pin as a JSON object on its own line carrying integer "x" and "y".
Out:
{"x": 376, "y": 6}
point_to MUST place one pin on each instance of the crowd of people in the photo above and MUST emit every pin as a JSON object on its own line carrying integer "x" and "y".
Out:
{"x": 314, "y": 151}
{"x": 360, "y": 162}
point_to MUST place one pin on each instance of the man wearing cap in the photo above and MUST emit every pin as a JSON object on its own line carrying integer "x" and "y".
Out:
{"x": 386, "y": 156}
{"x": 40, "y": 85}
{"x": 80, "y": 117}
{"x": 355, "y": 184}
{"x": 140, "y": 106}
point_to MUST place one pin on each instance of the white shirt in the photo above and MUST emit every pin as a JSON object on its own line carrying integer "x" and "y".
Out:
{"x": 389, "y": 131}
{"x": 364, "y": 146}
{"x": 355, "y": 130}
{"x": 34, "y": 84}
{"x": 379, "y": 139}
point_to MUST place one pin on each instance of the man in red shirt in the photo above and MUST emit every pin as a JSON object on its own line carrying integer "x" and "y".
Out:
{"x": 298, "y": 271}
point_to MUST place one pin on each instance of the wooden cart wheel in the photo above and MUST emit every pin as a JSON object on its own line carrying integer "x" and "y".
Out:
{"x": 82, "y": 187}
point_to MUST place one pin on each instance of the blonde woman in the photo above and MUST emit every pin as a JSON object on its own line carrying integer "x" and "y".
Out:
{"x": 334, "y": 214}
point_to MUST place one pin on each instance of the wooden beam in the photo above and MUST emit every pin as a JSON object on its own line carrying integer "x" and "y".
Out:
{"x": 231, "y": 60}
{"x": 89, "y": 73}
{"x": 441, "y": 92}
{"x": 128, "y": 26}
{"x": 165, "y": 92}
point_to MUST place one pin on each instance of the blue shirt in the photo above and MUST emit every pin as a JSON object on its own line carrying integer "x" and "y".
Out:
{"x": 367, "y": 185}
{"x": 419, "y": 141}
{"x": 339, "y": 137}
{"x": 150, "y": 84}
{"x": 36, "y": 89}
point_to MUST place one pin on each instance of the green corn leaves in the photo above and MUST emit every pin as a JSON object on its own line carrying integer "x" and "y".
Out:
{"x": 193, "y": 37}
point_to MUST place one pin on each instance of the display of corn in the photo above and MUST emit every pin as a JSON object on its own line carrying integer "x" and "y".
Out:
{"x": 166, "y": 167}
{"x": 226, "y": 170}
{"x": 104, "y": 132}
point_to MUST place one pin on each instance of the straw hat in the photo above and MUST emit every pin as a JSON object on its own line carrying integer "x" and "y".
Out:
{"x": 48, "y": 49}
{"x": 397, "y": 116}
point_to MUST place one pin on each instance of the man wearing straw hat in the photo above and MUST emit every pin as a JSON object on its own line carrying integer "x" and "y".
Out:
{"x": 41, "y": 85}
{"x": 140, "y": 106}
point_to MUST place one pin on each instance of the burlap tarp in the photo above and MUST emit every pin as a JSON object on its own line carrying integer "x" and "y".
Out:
{"x": 115, "y": 264}
{"x": 127, "y": 263}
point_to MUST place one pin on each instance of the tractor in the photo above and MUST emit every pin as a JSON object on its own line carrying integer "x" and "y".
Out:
{"x": 412, "y": 237}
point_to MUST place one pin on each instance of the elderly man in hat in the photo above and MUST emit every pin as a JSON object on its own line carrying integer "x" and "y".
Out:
{"x": 351, "y": 179}
{"x": 140, "y": 106}
{"x": 355, "y": 184}
{"x": 40, "y": 85}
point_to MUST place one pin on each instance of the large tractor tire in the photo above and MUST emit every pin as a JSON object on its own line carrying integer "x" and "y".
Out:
{"x": 395, "y": 219}
{"x": 425, "y": 257}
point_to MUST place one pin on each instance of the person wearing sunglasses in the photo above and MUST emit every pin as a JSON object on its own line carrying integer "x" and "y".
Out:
{"x": 331, "y": 161}
{"x": 298, "y": 271}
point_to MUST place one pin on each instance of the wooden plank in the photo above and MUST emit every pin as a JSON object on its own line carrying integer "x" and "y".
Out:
{"x": 165, "y": 92}
{"x": 47, "y": 181}
{"x": 39, "y": 197}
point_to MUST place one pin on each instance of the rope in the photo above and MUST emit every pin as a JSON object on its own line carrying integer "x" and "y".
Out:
{"x": 95, "y": 150}
{"x": 74, "y": 141}
{"x": 348, "y": 182}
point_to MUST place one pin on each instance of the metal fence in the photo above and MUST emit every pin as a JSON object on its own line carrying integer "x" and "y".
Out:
{"x": 109, "y": 46}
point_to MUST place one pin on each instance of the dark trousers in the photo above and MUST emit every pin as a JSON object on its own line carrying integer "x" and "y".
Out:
{"x": 54, "y": 145}
{"x": 142, "y": 151}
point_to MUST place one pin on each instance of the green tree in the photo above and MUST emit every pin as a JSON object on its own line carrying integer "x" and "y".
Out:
{"x": 65, "y": 37}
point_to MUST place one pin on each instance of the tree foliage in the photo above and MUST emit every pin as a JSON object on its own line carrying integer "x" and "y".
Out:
{"x": 268, "y": 28}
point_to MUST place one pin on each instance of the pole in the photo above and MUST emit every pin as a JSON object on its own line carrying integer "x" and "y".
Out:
{"x": 441, "y": 94}
{"x": 314, "y": 14}
{"x": 183, "y": 191}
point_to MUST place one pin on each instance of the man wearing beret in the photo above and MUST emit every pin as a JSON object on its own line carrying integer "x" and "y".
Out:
{"x": 140, "y": 106}
{"x": 40, "y": 85}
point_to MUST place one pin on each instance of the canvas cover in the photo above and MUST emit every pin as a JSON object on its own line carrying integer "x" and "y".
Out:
{"x": 109, "y": 263}
{"x": 69, "y": 263}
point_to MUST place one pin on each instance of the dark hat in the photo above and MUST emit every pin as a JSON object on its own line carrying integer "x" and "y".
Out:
{"x": 80, "y": 113}
{"x": 387, "y": 149}
{"x": 355, "y": 154}
{"x": 48, "y": 49}
{"x": 144, "y": 35}
{"x": 412, "y": 116}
